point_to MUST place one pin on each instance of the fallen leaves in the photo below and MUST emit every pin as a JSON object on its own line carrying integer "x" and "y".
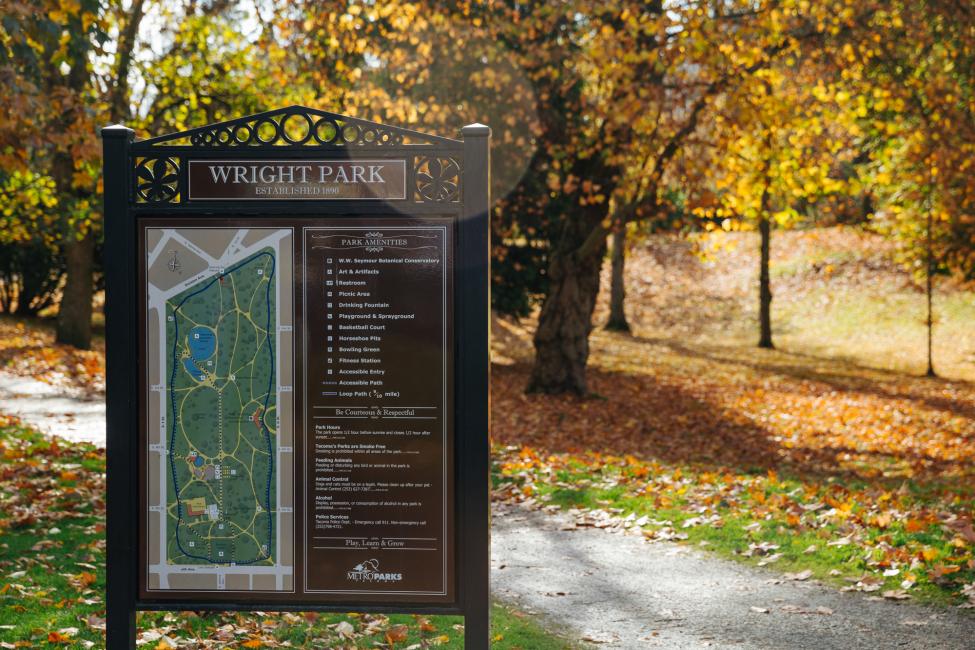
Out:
{"x": 664, "y": 503}
{"x": 775, "y": 557}
{"x": 64, "y": 635}
{"x": 962, "y": 526}
{"x": 345, "y": 630}
{"x": 32, "y": 352}
{"x": 396, "y": 634}
{"x": 82, "y": 580}
{"x": 873, "y": 470}
{"x": 968, "y": 592}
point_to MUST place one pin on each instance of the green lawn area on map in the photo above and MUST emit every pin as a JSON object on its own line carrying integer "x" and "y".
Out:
{"x": 222, "y": 417}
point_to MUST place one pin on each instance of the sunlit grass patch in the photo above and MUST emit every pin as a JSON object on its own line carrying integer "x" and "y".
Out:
{"x": 881, "y": 327}
{"x": 898, "y": 542}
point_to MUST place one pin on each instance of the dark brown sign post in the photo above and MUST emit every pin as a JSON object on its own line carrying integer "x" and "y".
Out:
{"x": 297, "y": 360}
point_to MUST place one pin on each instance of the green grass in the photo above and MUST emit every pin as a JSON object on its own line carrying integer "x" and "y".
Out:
{"x": 732, "y": 539}
{"x": 52, "y": 572}
{"x": 883, "y": 328}
{"x": 509, "y": 629}
{"x": 803, "y": 543}
{"x": 51, "y": 569}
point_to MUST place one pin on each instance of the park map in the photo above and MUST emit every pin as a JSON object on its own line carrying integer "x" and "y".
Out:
{"x": 222, "y": 416}
{"x": 215, "y": 460}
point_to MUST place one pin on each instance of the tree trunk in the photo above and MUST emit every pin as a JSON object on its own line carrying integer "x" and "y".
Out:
{"x": 74, "y": 314}
{"x": 123, "y": 63}
{"x": 562, "y": 337}
{"x": 764, "y": 287}
{"x": 617, "y": 287}
{"x": 929, "y": 290}
{"x": 75, "y": 310}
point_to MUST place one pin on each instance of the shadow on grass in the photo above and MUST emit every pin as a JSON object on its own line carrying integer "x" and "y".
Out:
{"x": 635, "y": 414}
{"x": 693, "y": 422}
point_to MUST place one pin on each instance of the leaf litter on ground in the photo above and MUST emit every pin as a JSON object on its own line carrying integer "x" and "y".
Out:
{"x": 788, "y": 458}
{"x": 52, "y": 574}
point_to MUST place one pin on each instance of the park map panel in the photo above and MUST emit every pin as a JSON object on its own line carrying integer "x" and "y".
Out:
{"x": 216, "y": 320}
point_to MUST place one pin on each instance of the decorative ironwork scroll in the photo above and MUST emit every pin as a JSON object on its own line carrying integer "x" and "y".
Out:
{"x": 437, "y": 179}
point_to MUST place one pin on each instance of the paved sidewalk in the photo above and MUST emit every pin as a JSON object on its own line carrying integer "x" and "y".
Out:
{"x": 48, "y": 409}
{"x": 620, "y": 592}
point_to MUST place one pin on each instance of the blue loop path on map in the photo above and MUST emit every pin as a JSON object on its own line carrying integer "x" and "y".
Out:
{"x": 202, "y": 343}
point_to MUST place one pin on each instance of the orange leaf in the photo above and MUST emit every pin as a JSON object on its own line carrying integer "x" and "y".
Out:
{"x": 945, "y": 569}
{"x": 396, "y": 634}
{"x": 915, "y": 525}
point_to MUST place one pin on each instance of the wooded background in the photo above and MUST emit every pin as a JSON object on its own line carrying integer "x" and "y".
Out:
{"x": 611, "y": 119}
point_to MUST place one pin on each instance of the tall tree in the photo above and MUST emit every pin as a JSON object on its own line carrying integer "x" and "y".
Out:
{"x": 592, "y": 103}
{"x": 69, "y": 68}
{"x": 917, "y": 87}
{"x": 919, "y": 122}
{"x": 790, "y": 133}
{"x": 46, "y": 62}
{"x": 49, "y": 55}
{"x": 647, "y": 81}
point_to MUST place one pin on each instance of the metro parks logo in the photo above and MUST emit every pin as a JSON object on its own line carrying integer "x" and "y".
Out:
{"x": 368, "y": 571}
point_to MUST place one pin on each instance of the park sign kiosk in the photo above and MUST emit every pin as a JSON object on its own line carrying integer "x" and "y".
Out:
{"x": 297, "y": 369}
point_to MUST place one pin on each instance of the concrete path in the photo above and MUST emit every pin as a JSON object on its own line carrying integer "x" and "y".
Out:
{"x": 48, "y": 409}
{"x": 618, "y": 591}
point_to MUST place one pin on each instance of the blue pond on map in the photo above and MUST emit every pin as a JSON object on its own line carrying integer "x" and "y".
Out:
{"x": 203, "y": 343}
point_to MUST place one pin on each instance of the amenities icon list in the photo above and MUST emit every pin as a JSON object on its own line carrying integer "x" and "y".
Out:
{"x": 330, "y": 327}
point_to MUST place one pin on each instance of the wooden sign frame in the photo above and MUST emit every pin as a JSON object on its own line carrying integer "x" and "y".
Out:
{"x": 432, "y": 178}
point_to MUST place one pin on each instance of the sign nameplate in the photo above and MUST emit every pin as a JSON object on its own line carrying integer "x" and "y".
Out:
{"x": 291, "y": 180}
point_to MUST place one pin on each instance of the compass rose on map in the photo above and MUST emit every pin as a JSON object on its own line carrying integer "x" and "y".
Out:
{"x": 174, "y": 265}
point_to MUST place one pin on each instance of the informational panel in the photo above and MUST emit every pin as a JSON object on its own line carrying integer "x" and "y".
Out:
{"x": 297, "y": 369}
{"x": 376, "y": 383}
{"x": 297, "y": 402}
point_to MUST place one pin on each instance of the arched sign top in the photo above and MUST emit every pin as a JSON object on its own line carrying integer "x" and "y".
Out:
{"x": 302, "y": 154}
{"x": 297, "y": 126}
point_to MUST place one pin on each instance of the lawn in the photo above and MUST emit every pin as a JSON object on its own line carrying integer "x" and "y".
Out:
{"x": 831, "y": 454}
{"x": 829, "y": 458}
{"x": 52, "y": 575}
